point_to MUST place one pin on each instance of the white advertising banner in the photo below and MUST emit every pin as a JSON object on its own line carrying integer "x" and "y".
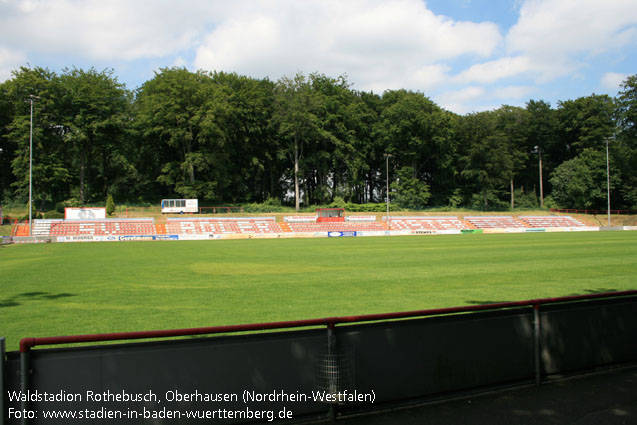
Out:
{"x": 84, "y": 213}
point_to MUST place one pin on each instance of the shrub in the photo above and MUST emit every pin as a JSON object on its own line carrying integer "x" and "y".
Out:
{"x": 110, "y": 205}
{"x": 53, "y": 214}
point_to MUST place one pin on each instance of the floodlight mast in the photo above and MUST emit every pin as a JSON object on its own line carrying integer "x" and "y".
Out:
{"x": 539, "y": 151}
{"x": 608, "y": 181}
{"x": 387, "y": 155}
{"x": 31, "y": 99}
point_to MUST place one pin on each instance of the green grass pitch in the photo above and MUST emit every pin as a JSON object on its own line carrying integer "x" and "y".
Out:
{"x": 64, "y": 289}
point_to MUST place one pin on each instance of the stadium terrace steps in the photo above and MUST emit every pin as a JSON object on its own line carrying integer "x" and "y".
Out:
{"x": 495, "y": 222}
{"x": 105, "y": 227}
{"x": 285, "y": 227}
{"x": 268, "y": 225}
{"x": 337, "y": 227}
{"x": 22, "y": 230}
{"x": 194, "y": 226}
{"x": 551, "y": 221}
{"x": 423, "y": 223}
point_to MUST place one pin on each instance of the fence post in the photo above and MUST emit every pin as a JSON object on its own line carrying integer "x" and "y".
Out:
{"x": 24, "y": 383}
{"x": 3, "y": 392}
{"x": 331, "y": 351}
{"x": 536, "y": 342}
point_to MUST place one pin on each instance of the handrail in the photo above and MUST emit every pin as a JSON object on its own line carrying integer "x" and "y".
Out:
{"x": 593, "y": 212}
{"x": 214, "y": 209}
{"x": 27, "y": 343}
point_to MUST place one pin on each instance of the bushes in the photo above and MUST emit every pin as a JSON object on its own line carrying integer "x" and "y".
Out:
{"x": 110, "y": 205}
{"x": 371, "y": 207}
{"x": 53, "y": 214}
{"x": 270, "y": 205}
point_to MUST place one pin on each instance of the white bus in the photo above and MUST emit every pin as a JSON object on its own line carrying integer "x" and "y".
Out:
{"x": 179, "y": 206}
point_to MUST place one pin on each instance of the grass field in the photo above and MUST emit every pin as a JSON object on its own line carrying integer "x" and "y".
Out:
{"x": 63, "y": 289}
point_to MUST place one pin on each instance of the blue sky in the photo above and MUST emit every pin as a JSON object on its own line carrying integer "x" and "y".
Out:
{"x": 467, "y": 55}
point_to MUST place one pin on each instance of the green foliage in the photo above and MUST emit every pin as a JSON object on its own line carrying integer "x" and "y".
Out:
{"x": 581, "y": 182}
{"x": 53, "y": 214}
{"x": 269, "y": 206}
{"x": 110, "y": 205}
{"x": 69, "y": 203}
{"x": 489, "y": 200}
{"x": 410, "y": 193}
{"x": 526, "y": 200}
{"x": 455, "y": 199}
{"x": 549, "y": 202}
{"x": 231, "y": 139}
{"x": 624, "y": 147}
{"x": 586, "y": 122}
{"x": 377, "y": 207}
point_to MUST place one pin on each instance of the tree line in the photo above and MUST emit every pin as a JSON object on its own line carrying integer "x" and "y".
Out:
{"x": 304, "y": 140}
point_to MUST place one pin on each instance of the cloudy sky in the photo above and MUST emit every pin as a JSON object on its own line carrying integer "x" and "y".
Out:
{"x": 467, "y": 55}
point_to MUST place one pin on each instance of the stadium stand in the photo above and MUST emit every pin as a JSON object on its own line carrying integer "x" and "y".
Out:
{"x": 105, "y": 227}
{"x": 495, "y": 222}
{"x": 358, "y": 218}
{"x": 551, "y": 221}
{"x": 222, "y": 225}
{"x": 338, "y": 227}
{"x": 299, "y": 219}
{"x": 420, "y": 223}
{"x": 300, "y": 224}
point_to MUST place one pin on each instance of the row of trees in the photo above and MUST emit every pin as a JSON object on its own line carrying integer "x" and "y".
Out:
{"x": 226, "y": 138}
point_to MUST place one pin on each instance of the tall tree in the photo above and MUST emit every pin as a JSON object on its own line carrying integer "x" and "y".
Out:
{"x": 581, "y": 182}
{"x": 625, "y": 145}
{"x": 51, "y": 173}
{"x": 295, "y": 117}
{"x": 94, "y": 110}
{"x": 585, "y": 122}
{"x": 244, "y": 109}
{"x": 512, "y": 124}
{"x": 542, "y": 141}
{"x": 486, "y": 159}
{"x": 175, "y": 118}
{"x": 418, "y": 135}
{"x": 7, "y": 149}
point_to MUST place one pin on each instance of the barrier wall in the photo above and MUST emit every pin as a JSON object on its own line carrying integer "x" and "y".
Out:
{"x": 367, "y": 366}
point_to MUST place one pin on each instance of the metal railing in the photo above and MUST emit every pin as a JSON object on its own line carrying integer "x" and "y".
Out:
{"x": 592, "y": 212}
{"x": 27, "y": 344}
{"x": 222, "y": 210}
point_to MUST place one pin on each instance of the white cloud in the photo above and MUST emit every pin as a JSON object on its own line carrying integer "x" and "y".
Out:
{"x": 612, "y": 80}
{"x": 179, "y": 62}
{"x": 102, "y": 30}
{"x": 379, "y": 44}
{"x": 459, "y": 101}
{"x": 495, "y": 70}
{"x": 9, "y": 61}
{"x": 558, "y": 35}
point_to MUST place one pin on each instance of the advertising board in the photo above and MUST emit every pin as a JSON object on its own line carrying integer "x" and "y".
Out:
{"x": 84, "y": 213}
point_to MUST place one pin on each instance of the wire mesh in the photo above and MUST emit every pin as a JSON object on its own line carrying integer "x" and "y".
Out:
{"x": 334, "y": 373}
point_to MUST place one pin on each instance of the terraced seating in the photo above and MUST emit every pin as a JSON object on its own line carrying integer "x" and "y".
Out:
{"x": 106, "y": 227}
{"x": 337, "y": 227}
{"x": 551, "y": 221}
{"x": 222, "y": 225}
{"x": 299, "y": 219}
{"x": 43, "y": 227}
{"x": 359, "y": 218}
{"x": 200, "y": 226}
{"x": 495, "y": 222}
{"x": 422, "y": 223}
